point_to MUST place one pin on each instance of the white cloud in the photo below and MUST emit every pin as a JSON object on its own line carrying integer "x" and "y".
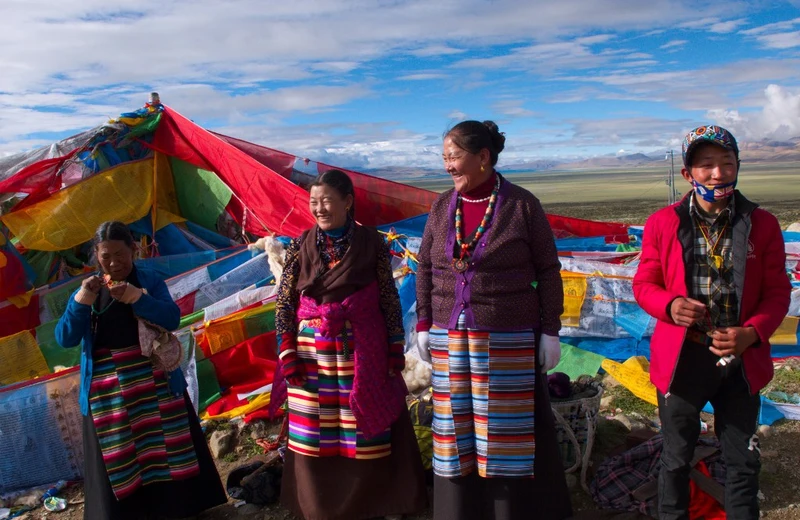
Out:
{"x": 457, "y": 115}
{"x": 702, "y": 23}
{"x": 779, "y": 117}
{"x": 423, "y": 76}
{"x": 674, "y": 43}
{"x": 435, "y": 50}
{"x": 726, "y": 27}
{"x": 772, "y": 27}
{"x": 512, "y": 108}
{"x": 780, "y": 40}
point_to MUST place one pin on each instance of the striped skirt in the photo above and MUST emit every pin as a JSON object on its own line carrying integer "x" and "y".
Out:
{"x": 483, "y": 402}
{"x": 321, "y": 423}
{"x": 143, "y": 429}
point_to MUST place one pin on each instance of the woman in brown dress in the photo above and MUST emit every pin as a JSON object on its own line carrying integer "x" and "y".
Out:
{"x": 352, "y": 453}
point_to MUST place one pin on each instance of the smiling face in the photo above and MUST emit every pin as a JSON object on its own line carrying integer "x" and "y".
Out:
{"x": 328, "y": 207}
{"x": 465, "y": 167}
{"x": 712, "y": 165}
{"x": 116, "y": 259}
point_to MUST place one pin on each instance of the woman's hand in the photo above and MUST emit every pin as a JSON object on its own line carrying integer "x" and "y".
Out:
{"x": 424, "y": 345}
{"x": 92, "y": 284}
{"x": 125, "y": 293}
{"x": 90, "y": 287}
{"x": 549, "y": 352}
{"x": 293, "y": 369}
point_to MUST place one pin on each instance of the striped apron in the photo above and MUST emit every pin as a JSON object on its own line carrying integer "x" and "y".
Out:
{"x": 321, "y": 423}
{"x": 483, "y": 402}
{"x": 142, "y": 427}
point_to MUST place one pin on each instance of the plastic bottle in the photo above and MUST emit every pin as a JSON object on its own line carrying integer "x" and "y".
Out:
{"x": 53, "y": 491}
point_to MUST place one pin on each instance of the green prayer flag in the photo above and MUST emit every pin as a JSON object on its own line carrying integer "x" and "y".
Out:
{"x": 576, "y": 362}
{"x": 54, "y": 354}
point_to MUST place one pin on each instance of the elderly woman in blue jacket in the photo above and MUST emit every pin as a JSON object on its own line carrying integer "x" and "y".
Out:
{"x": 144, "y": 451}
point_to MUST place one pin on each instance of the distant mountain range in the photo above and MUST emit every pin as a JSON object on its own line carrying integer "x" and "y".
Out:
{"x": 750, "y": 152}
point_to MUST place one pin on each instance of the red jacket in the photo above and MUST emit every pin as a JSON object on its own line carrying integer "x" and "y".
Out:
{"x": 762, "y": 286}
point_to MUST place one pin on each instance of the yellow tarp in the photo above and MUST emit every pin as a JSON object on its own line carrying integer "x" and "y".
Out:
{"x": 787, "y": 332}
{"x": 633, "y": 374}
{"x": 21, "y": 359}
{"x": 574, "y": 294}
{"x": 166, "y": 197}
{"x": 71, "y": 216}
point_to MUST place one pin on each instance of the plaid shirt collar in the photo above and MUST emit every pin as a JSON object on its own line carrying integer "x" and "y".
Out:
{"x": 697, "y": 212}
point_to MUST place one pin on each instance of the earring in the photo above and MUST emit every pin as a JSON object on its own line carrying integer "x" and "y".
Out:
{"x": 482, "y": 169}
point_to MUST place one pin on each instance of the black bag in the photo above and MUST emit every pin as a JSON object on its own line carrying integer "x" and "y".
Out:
{"x": 258, "y": 481}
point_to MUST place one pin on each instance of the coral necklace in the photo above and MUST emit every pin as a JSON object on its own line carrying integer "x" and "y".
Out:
{"x": 461, "y": 264}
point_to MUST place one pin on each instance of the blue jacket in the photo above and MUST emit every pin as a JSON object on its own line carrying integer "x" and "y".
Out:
{"x": 156, "y": 306}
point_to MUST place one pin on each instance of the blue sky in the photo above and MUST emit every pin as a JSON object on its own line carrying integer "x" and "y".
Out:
{"x": 369, "y": 84}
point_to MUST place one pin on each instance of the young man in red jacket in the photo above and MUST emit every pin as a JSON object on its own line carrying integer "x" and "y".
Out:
{"x": 713, "y": 273}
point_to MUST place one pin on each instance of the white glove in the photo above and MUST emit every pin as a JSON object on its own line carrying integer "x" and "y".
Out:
{"x": 424, "y": 345}
{"x": 549, "y": 352}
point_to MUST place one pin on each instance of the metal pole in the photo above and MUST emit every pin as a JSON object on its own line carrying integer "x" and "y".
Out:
{"x": 672, "y": 176}
{"x": 670, "y": 180}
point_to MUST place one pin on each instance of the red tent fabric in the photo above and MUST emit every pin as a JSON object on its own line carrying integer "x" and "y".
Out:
{"x": 281, "y": 163}
{"x": 567, "y": 227}
{"x": 274, "y": 204}
{"x": 14, "y": 320}
{"x": 381, "y": 201}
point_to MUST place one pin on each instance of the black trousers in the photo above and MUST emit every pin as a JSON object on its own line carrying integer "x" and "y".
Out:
{"x": 697, "y": 380}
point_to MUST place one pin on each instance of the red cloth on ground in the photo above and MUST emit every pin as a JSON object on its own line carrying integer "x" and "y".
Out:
{"x": 701, "y": 505}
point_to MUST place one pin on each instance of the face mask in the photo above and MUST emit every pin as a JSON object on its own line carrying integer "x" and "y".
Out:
{"x": 714, "y": 193}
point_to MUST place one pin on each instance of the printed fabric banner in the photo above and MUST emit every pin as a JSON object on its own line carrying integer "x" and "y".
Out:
{"x": 40, "y": 433}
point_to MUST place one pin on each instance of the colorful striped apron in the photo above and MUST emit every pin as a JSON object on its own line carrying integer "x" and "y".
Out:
{"x": 321, "y": 423}
{"x": 143, "y": 429}
{"x": 483, "y": 402}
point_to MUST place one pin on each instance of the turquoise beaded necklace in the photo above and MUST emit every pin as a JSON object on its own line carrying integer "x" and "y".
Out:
{"x": 460, "y": 264}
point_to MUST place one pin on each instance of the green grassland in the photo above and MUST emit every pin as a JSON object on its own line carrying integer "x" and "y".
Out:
{"x": 633, "y": 194}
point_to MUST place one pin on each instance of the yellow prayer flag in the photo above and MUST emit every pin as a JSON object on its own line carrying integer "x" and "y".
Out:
{"x": 22, "y": 359}
{"x": 574, "y": 295}
{"x": 633, "y": 374}
{"x": 261, "y": 401}
{"x": 787, "y": 332}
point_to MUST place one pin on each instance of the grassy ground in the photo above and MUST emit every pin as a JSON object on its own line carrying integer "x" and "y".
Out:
{"x": 630, "y": 196}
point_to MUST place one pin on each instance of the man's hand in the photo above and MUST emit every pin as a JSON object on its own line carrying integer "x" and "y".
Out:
{"x": 686, "y": 311}
{"x": 732, "y": 341}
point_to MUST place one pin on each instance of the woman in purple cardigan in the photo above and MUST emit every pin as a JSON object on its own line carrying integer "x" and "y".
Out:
{"x": 489, "y": 301}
